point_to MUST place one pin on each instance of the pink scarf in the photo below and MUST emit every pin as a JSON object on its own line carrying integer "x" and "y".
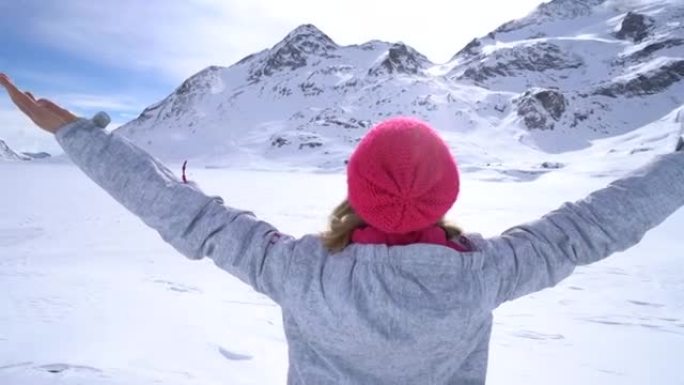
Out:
{"x": 434, "y": 235}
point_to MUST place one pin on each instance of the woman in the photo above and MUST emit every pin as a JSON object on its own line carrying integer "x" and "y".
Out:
{"x": 390, "y": 294}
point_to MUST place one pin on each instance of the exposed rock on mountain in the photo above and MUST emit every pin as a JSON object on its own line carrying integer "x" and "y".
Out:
{"x": 654, "y": 48}
{"x": 516, "y": 61}
{"x": 402, "y": 59}
{"x": 541, "y": 108}
{"x": 649, "y": 82}
{"x": 634, "y": 27}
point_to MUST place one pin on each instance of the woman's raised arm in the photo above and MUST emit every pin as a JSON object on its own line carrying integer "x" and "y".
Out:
{"x": 195, "y": 224}
{"x": 537, "y": 255}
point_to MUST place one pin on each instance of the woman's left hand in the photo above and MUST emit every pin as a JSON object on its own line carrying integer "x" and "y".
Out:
{"x": 44, "y": 113}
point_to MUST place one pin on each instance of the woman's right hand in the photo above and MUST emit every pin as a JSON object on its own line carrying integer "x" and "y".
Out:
{"x": 44, "y": 113}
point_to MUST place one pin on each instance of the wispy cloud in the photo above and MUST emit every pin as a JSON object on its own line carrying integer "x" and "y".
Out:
{"x": 50, "y": 79}
{"x": 174, "y": 38}
{"x": 89, "y": 102}
{"x": 21, "y": 134}
{"x": 84, "y": 96}
{"x": 178, "y": 38}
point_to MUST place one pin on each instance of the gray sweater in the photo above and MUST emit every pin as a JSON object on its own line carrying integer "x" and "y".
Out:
{"x": 373, "y": 314}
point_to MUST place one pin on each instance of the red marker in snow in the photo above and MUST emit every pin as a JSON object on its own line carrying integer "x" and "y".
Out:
{"x": 185, "y": 180}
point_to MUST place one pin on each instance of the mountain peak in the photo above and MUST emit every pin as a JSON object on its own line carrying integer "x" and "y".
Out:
{"x": 402, "y": 59}
{"x": 293, "y": 51}
{"x": 305, "y": 29}
{"x": 309, "y": 39}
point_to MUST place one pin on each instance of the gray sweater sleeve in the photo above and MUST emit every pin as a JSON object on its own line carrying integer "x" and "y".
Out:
{"x": 195, "y": 224}
{"x": 540, "y": 254}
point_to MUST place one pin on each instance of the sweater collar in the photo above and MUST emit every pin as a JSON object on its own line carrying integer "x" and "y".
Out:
{"x": 432, "y": 235}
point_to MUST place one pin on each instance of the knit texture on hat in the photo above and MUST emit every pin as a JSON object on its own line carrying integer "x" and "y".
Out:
{"x": 402, "y": 176}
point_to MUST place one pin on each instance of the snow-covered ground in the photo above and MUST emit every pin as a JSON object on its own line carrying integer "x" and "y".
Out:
{"x": 89, "y": 295}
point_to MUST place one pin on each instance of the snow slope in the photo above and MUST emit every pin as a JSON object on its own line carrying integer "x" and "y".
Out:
{"x": 91, "y": 296}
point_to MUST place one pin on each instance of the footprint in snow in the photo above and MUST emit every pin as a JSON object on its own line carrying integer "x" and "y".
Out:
{"x": 607, "y": 322}
{"x": 16, "y": 236}
{"x": 653, "y": 324}
{"x": 59, "y": 368}
{"x": 17, "y": 365}
{"x": 233, "y": 356}
{"x": 538, "y": 336}
{"x": 642, "y": 303}
{"x": 179, "y": 287}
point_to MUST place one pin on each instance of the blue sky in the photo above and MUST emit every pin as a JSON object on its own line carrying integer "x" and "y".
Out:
{"x": 124, "y": 55}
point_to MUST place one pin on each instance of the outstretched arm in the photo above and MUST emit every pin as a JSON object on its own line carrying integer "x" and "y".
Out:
{"x": 540, "y": 254}
{"x": 195, "y": 224}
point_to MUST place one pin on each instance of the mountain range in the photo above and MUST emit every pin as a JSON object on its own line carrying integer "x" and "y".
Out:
{"x": 560, "y": 81}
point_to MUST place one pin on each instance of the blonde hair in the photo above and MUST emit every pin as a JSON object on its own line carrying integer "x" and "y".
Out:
{"x": 343, "y": 221}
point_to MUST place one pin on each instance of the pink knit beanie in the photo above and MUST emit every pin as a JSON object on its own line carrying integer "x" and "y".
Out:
{"x": 402, "y": 176}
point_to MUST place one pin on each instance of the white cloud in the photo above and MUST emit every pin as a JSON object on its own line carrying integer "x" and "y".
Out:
{"x": 178, "y": 38}
{"x": 48, "y": 79}
{"x": 89, "y": 102}
{"x": 79, "y": 95}
{"x": 21, "y": 134}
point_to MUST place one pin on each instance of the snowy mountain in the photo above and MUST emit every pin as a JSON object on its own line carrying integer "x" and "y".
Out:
{"x": 584, "y": 65}
{"x": 553, "y": 83}
{"x": 6, "y": 153}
